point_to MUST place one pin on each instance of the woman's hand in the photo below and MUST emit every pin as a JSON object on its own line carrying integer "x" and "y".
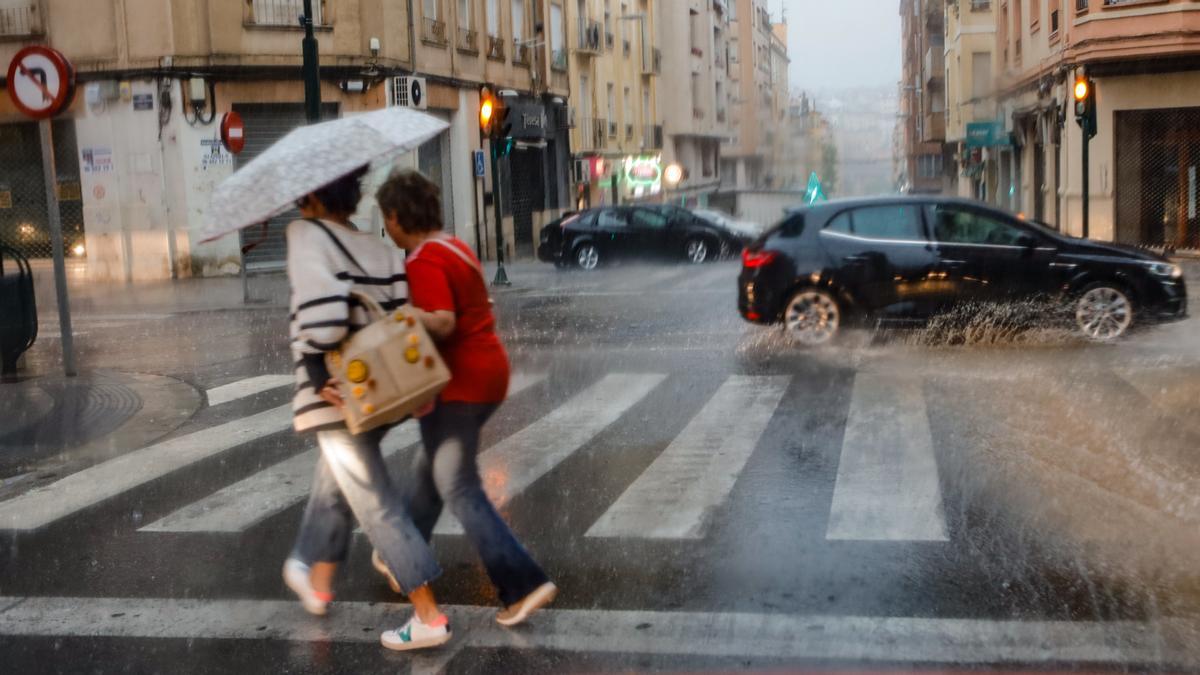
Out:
{"x": 440, "y": 324}
{"x": 332, "y": 396}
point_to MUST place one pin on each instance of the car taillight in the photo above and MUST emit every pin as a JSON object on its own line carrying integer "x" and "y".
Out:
{"x": 753, "y": 259}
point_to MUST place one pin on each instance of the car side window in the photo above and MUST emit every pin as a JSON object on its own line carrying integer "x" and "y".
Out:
{"x": 610, "y": 219}
{"x": 899, "y": 222}
{"x": 959, "y": 226}
{"x": 841, "y": 224}
{"x": 649, "y": 219}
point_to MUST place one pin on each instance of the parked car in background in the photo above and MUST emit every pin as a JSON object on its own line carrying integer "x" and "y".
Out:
{"x": 910, "y": 258}
{"x": 608, "y": 234}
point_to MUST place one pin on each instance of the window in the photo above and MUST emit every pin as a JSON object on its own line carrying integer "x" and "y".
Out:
{"x": 266, "y": 13}
{"x": 1035, "y": 14}
{"x": 612, "y": 103}
{"x": 1055, "y": 13}
{"x": 955, "y": 226}
{"x": 929, "y": 166}
{"x": 518, "y": 21}
{"x": 896, "y": 223}
{"x": 558, "y": 50}
{"x": 465, "y": 15}
{"x": 611, "y": 218}
{"x": 981, "y": 74}
{"x": 649, "y": 219}
{"x": 627, "y": 104}
{"x": 493, "y": 18}
{"x": 431, "y": 9}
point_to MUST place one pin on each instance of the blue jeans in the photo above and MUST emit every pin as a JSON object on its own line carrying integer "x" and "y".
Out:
{"x": 446, "y": 471}
{"x": 352, "y": 481}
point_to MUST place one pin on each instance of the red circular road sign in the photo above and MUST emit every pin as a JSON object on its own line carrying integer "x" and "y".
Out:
{"x": 41, "y": 81}
{"x": 233, "y": 132}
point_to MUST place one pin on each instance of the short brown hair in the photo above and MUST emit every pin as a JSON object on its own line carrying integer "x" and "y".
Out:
{"x": 414, "y": 200}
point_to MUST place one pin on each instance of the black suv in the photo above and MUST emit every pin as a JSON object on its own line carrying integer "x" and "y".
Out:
{"x": 596, "y": 236}
{"x": 909, "y": 258}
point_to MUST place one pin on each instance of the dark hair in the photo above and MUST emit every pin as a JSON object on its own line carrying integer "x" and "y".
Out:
{"x": 340, "y": 197}
{"x": 414, "y": 200}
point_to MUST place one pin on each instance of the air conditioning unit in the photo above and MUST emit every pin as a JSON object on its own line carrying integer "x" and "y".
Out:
{"x": 409, "y": 92}
{"x": 581, "y": 172}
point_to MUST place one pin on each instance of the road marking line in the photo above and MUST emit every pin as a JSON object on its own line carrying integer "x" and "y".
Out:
{"x": 244, "y": 504}
{"x": 518, "y": 461}
{"x": 697, "y": 471}
{"x": 887, "y": 482}
{"x": 248, "y": 387}
{"x": 85, "y": 488}
{"x": 1165, "y": 643}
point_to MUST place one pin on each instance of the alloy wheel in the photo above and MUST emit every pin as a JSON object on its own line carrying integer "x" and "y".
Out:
{"x": 1103, "y": 313}
{"x": 697, "y": 251}
{"x": 813, "y": 317}
{"x": 588, "y": 257}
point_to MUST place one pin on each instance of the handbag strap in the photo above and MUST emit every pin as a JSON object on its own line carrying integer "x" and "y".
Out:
{"x": 445, "y": 243}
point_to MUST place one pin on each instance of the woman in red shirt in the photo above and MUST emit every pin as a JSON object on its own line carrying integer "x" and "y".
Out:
{"x": 446, "y": 283}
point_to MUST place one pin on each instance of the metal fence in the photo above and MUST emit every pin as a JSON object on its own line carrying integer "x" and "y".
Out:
{"x": 1158, "y": 178}
{"x": 24, "y": 221}
{"x": 282, "y": 12}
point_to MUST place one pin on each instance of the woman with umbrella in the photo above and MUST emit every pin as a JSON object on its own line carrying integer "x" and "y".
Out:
{"x": 328, "y": 261}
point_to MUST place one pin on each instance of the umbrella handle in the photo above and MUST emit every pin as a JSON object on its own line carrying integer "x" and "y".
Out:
{"x": 246, "y": 248}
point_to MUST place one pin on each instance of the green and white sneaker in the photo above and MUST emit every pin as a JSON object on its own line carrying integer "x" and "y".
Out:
{"x": 417, "y": 635}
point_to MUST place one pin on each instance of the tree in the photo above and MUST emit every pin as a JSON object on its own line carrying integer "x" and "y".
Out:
{"x": 829, "y": 168}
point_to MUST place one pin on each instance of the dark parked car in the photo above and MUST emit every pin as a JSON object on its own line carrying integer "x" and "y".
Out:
{"x": 597, "y": 236}
{"x": 909, "y": 258}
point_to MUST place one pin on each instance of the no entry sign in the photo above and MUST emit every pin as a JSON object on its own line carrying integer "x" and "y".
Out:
{"x": 41, "y": 81}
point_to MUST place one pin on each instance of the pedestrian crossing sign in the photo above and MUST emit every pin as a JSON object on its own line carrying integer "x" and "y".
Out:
{"x": 814, "y": 193}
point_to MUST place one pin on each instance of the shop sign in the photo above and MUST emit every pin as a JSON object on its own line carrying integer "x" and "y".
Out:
{"x": 986, "y": 135}
{"x": 643, "y": 174}
{"x": 143, "y": 101}
{"x": 529, "y": 121}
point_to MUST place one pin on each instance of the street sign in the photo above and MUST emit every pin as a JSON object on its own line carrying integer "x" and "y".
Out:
{"x": 477, "y": 159}
{"x": 986, "y": 135}
{"x": 41, "y": 81}
{"x": 233, "y": 132}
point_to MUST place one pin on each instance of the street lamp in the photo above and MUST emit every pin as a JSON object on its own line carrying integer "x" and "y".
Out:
{"x": 673, "y": 174}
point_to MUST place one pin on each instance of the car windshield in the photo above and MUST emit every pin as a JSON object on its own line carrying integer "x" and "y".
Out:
{"x": 606, "y": 336}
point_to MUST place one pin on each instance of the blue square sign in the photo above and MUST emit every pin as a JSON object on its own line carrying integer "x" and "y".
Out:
{"x": 477, "y": 156}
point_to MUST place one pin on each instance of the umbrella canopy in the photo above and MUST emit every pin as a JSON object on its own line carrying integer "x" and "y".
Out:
{"x": 309, "y": 158}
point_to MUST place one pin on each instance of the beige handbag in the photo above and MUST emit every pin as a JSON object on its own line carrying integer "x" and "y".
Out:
{"x": 388, "y": 370}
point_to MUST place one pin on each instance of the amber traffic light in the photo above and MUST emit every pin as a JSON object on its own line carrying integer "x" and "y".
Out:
{"x": 487, "y": 110}
{"x": 1085, "y": 106}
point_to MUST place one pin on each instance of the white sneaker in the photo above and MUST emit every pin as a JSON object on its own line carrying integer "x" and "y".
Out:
{"x": 296, "y": 576}
{"x": 417, "y": 635}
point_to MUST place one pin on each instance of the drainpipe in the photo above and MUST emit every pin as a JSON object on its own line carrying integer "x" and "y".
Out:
{"x": 412, "y": 39}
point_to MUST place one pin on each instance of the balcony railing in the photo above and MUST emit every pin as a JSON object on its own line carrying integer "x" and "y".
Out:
{"x": 589, "y": 37}
{"x": 697, "y": 113}
{"x": 25, "y": 19}
{"x": 558, "y": 60}
{"x": 629, "y": 132}
{"x": 652, "y": 137}
{"x": 495, "y": 48}
{"x": 434, "y": 32}
{"x": 981, "y": 5}
{"x": 1081, "y": 6}
{"x": 521, "y": 53}
{"x": 592, "y": 133}
{"x": 468, "y": 41}
{"x": 280, "y": 13}
{"x": 612, "y": 129}
{"x": 652, "y": 62}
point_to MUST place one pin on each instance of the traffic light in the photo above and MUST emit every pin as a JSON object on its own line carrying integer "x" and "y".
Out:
{"x": 494, "y": 117}
{"x": 1085, "y": 105}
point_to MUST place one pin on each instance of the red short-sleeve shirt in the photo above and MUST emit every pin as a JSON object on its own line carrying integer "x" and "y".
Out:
{"x": 440, "y": 279}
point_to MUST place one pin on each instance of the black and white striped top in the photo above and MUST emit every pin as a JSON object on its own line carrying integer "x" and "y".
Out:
{"x": 325, "y": 262}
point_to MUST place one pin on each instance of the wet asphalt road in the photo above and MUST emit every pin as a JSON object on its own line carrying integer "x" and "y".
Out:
{"x": 1017, "y": 501}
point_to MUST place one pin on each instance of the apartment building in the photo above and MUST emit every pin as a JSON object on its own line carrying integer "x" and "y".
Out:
{"x": 745, "y": 153}
{"x": 781, "y": 146}
{"x": 617, "y": 135}
{"x": 694, "y": 98}
{"x": 923, "y": 96}
{"x": 137, "y": 154}
{"x": 972, "y": 127}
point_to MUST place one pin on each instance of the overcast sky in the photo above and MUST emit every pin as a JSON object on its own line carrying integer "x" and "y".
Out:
{"x": 835, "y": 43}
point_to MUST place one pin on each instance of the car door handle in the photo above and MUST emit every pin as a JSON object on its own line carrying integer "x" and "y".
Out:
{"x": 953, "y": 263}
{"x": 855, "y": 258}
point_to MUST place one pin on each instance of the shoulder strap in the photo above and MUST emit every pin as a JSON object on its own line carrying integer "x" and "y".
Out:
{"x": 458, "y": 252}
{"x": 339, "y": 244}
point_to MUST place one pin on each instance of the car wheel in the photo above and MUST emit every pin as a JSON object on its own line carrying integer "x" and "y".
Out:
{"x": 1103, "y": 311}
{"x": 587, "y": 256}
{"x": 812, "y": 317}
{"x": 697, "y": 250}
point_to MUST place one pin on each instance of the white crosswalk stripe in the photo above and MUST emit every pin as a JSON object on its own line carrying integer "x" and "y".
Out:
{"x": 91, "y": 486}
{"x": 250, "y": 386}
{"x": 887, "y": 482}
{"x": 518, "y": 461}
{"x": 697, "y": 471}
{"x": 1167, "y": 642}
{"x": 248, "y": 502}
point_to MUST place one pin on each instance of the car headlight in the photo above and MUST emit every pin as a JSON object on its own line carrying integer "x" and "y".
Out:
{"x": 1165, "y": 270}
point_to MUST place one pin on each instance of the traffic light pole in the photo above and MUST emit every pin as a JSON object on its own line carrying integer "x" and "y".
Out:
{"x": 501, "y": 276}
{"x": 312, "y": 78}
{"x": 1087, "y": 134}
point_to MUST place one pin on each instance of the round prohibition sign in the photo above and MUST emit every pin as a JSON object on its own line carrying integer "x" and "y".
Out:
{"x": 41, "y": 81}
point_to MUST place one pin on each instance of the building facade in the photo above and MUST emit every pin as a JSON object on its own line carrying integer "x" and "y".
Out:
{"x": 923, "y": 96}
{"x": 617, "y": 135}
{"x": 138, "y": 155}
{"x": 970, "y": 95}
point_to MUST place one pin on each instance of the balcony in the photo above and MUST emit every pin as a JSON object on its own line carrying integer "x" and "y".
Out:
{"x": 495, "y": 48}
{"x": 934, "y": 129}
{"x": 588, "y": 40}
{"x": 521, "y": 53}
{"x": 629, "y": 132}
{"x": 981, "y": 5}
{"x": 935, "y": 64}
{"x": 612, "y": 129}
{"x": 651, "y": 62}
{"x": 23, "y": 19}
{"x": 652, "y": 137}
{"x": 721, "y": 115}
{"x": 468, "y": 41}
{"x": 1129, "y": 31}
{"x": 434, "y": 32}
{"x": 697, "y": 113}
{"x": 592, "y": 133}
{"x": 558, "y": 60}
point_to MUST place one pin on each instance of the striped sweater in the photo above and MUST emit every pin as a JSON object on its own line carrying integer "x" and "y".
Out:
{"x": 323, "y": 314}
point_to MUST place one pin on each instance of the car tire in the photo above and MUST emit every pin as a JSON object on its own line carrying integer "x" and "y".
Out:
{"x": 587, "y": 257}
{"x": 698, "y": 250}
{"x": 812, "y": 317}
{"x": 1103, "y": 311}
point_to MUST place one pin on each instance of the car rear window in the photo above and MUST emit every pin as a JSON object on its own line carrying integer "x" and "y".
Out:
{"x": 792, "y": 226}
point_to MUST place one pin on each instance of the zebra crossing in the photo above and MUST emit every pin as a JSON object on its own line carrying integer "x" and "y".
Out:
{"x": 887, "y": 485}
